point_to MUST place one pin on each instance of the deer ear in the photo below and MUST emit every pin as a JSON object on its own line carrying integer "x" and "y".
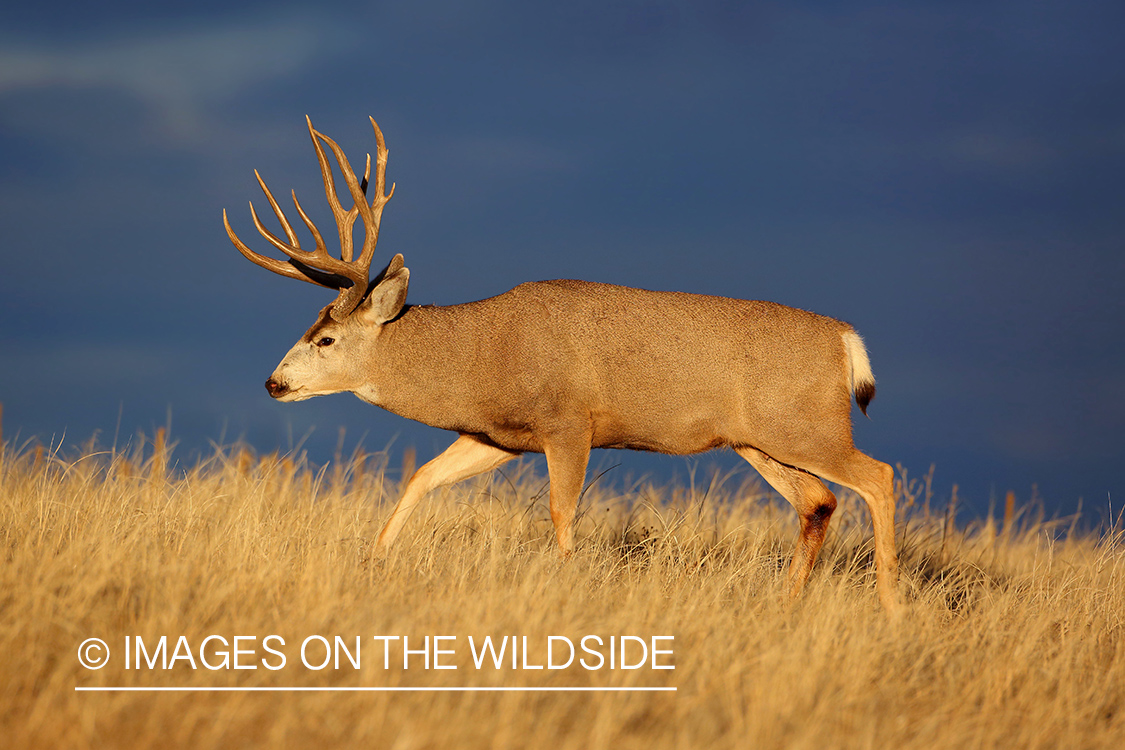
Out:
{"x": 392, "y": 268}
{"x": 384, "y": 302}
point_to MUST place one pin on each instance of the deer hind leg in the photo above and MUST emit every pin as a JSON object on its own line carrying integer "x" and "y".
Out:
{"x": 466, "y": 458}
{"x": 813, "y": 502}
{"x": 874, "y": 481}
{"x": 566, "y": 467}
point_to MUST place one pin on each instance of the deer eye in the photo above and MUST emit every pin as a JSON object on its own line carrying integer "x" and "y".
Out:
{"x": 326, "y": 341}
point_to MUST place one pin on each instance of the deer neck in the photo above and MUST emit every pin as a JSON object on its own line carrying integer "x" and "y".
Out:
{"x": 422, "y": 366}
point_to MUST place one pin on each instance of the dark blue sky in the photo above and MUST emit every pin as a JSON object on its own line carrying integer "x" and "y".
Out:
{"x": 949, "y": 177}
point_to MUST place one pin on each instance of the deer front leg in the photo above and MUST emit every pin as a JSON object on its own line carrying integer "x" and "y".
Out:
{"x": 466, "y": 458}
{"x": 566, "y": 468}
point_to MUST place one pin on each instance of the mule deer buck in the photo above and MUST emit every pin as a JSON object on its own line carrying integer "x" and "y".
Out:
{"x": 560, "y": 367}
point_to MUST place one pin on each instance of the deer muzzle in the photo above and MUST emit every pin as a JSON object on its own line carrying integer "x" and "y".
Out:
{"x": 276, "y": 389}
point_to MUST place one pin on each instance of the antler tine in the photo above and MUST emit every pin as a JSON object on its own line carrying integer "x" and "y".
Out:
{"x": 308, "y": 223}
{"x": 366, "y": 176}
{"x": 344, "y": 219}
{"x": 380, "y": 200}
{"x": 294, "y": 243}
{"x": 271, "y": 264}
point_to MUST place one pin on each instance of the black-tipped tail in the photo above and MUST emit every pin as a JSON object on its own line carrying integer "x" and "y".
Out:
{"x": 864, "y": 392}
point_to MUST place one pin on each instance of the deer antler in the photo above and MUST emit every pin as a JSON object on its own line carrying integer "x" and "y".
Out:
{"x": 350, "y": 277}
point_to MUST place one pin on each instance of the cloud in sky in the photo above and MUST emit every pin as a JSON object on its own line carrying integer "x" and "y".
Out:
{"x": 180, "y": 73}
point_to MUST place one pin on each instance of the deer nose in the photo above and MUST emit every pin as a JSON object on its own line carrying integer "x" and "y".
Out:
{"x": 275, "y": 388}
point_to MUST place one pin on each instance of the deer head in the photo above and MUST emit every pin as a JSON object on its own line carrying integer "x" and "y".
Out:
{"x": 323, "y": 361}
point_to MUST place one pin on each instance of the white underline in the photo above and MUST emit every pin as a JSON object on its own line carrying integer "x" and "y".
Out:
{"x": 187, "y": 689}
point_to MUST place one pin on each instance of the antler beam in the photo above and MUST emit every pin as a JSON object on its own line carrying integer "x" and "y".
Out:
{"x": 350, "y": 277}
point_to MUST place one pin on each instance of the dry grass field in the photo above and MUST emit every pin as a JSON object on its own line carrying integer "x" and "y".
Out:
{"x": 1013, "y": 636}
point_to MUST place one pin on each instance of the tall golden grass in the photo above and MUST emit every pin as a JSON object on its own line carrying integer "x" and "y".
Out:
{"x": 1013, "y": 635}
